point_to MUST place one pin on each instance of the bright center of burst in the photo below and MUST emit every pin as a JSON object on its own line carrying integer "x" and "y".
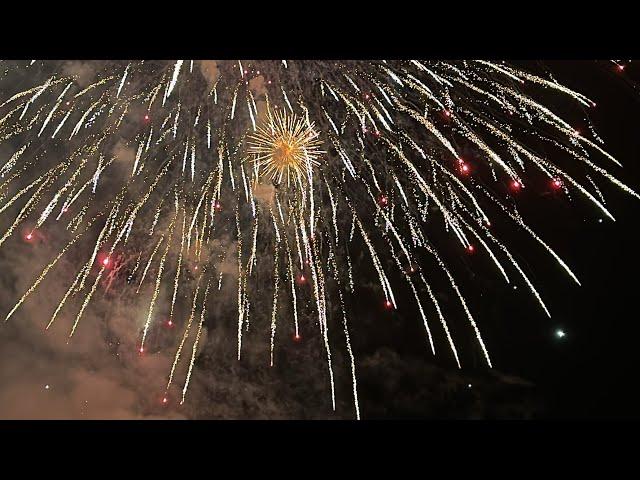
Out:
{"x": 560, "y": 333}
{"x": 285, "y": 147}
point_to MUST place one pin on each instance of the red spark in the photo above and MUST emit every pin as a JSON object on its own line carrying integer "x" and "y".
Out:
{"x": 383, "y": 200}
{"x": 297, "y": 337}
{"x": 388, "y": 304}
{"x": 471, "y": 249}
{"x": 141, "y": 350}
{"x": 29, "y": 236}
{"x": 146, "y": 117}
{"x": 556, "y": 183}
{"x": 302, "y": 279}
{"x": 447, "y": 113}
{"x": 515, "y": 185}
{"x": 621, "y": 67}
{"x": 165, "y": 400}
{"x": 105, "y": 261}
{"x": 170, "y": 323}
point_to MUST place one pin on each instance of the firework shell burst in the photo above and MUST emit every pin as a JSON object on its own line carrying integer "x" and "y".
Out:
{"x": 147, "y": 163}
{"x": 285, "y": 148}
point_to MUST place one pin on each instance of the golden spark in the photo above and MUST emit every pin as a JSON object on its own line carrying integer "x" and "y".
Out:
{"x": 285, "y": 146}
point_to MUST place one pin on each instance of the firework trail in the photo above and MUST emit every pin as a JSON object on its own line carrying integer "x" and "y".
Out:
{"x": 302, "y": 158}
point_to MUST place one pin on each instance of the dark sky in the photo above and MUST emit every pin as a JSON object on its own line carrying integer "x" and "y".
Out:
{"x": 591, "y": 372}
{"x": 587, "y": 374}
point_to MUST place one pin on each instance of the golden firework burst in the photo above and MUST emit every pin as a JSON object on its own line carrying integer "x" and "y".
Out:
{"x": 285, "y": 147}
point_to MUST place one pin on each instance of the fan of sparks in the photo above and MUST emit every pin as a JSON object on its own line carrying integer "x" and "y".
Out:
{"x": 145, "y": 167}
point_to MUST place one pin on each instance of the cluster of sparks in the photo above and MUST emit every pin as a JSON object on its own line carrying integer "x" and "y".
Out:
{"x": 286, "y": 147}
{"x": 352, "y": 149}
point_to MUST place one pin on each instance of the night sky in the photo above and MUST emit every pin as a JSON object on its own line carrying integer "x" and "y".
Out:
{"x": 580, "y": 363}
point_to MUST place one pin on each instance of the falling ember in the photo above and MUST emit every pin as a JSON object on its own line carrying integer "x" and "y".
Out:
{"x": 515, "y": 185}
{"x": 388, "y": 305}
{"x": 556, "y": 183}
{"x": 383, "y": 201}
{"x": 29, "y": 236}
{"x": 471, "y": 249}
{"x": 165, "y": 400}
{"x": 464, "y": 168}
{"x": 106, "y": 261}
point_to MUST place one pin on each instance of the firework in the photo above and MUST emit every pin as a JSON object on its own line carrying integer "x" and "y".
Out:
{"x": 149, "y": 164}
{"x": 285, "y": 148}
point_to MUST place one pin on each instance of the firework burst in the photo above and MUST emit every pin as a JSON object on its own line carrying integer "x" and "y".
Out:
{"x": 143, "y": 168}
{"x": 285, "y": 147}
